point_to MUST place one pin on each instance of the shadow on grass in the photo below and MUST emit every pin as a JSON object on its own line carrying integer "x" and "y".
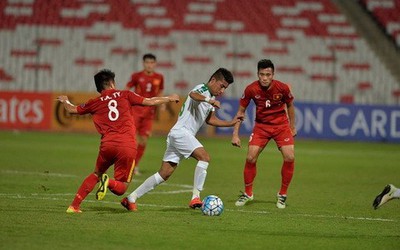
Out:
{"x": 107, "y": 210}
{"x": 178, "y": 209}
{"x": 253, "y": 202}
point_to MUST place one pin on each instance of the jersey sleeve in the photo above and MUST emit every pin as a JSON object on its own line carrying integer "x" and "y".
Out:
{"x": 132, "y": 82}
{"x": 87, "y": 107}
{"x": 288, "y": 97}
{"x": 246, "y": 97}
{"x": 134, "y": 99}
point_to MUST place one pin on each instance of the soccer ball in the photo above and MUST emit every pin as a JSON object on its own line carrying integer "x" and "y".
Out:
{"x": 212, "y": 206}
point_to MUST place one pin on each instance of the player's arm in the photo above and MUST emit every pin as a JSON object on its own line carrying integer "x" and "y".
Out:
{"x": 129, "y": 85}
{"x": 71, "y": 108}
{"x": 154, "y": 101}
{"x": 291, "y": 116}
{"x": 213, "y": 120}
{"x": 162, "y": 107}
{"x": 201, "y": 98}
{"x": 235, "y": 135}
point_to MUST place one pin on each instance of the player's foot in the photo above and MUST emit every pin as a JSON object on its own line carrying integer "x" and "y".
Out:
{"x": 130, "y": 206}
{"x": 103, "y": 186}
{"x": 281, "y": 201}
{"x": 196, "y": 202}
{"x": 385, "y": 196}
{"x": 243, "y": 199}
{"x": 73, "y": 210}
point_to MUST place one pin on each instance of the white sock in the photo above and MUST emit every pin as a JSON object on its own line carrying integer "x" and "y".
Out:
{"x": 200, "y": 174}
{"x": 148, "y": 185}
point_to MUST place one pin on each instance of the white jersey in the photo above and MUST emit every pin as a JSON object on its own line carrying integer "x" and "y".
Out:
{"x": 193, "y": 113}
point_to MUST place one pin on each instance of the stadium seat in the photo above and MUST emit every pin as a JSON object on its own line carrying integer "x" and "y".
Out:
{"x": 311, "y": 43}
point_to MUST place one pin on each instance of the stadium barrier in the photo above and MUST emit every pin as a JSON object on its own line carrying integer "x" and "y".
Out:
{"x": 41, "y": 111}
{"x": 330, "y": 121}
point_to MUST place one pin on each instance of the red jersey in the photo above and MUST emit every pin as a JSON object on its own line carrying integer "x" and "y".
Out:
{"x": 146, "y": 86}
{"x": 270, "y": 101}
{"x": 111, "y": 114}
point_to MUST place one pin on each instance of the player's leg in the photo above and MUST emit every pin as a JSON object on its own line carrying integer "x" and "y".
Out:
{"x": 249, "y": 174}
{"x": 104, "y": 160}
{"x": 166, "y": 170}
{"x": 170, "y": 162}
{"x": 285, "y": 142}
{"x": 144, "y": 127}
{"x": 123, "y": 170}
{"x": 390, "y": 192}
{"x": 257, "y": 141}
{"x": 200, "y": 174}
{"x": 86, "y": 187}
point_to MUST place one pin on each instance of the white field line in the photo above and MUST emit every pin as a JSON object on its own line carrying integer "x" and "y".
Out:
{"x": 54, "y": 197}
{"x": 75, "y": 176}
{"x": 188, "y": 190}
{"x": 37, "y": 173}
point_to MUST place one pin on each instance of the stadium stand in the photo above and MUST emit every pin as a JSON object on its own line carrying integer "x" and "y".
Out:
{"x": 387, "y": 14}
{"x": 58, "y": 45}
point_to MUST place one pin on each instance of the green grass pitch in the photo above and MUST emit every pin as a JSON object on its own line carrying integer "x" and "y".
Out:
{"x": 329, "y": 200}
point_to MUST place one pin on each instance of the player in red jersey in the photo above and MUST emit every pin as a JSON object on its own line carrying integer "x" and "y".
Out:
{"x": 146, "y": 83}
{"x": 111, "y": 113}
{"x": 275, "y": 119}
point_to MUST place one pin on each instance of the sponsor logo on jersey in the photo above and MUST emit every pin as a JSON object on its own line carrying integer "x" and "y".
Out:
{"x": 156, "y": 81}
{"x": 277, "y": 97}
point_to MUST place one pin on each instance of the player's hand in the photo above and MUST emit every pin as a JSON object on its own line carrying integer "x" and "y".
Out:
{"x": 62, "y": 98}
{"x": 236, "y": 141}
{"x": 173, "y": 98}
{"x": 294, "y": 131}
{"x": 239, "y": 118}
{"x": 215, "y": 104}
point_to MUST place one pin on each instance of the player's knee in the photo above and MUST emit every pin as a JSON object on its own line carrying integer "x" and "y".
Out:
{"x": 204, "y": 157}
{"x": 119, "y": 189}
{"x": 251, "y": 159}
{"x": 289, "y": 158}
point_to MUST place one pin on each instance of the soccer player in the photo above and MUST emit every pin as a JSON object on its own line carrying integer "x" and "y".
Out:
{"x": 146, "y": 83}
{"x": 389, "y": 193}
{"x": 198, "y": 108}
{"x": 275, "y": 119}
{"x": 114, "y": 121}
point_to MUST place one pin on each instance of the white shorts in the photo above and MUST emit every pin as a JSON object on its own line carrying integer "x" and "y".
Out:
{"x": 180, "y": 144}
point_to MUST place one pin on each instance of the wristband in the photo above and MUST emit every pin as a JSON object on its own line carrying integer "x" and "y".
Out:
{"x": 207, "y": 99}
{"x": 68, "y": 102}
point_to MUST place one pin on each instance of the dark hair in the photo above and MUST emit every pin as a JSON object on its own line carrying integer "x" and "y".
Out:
{"x": 265, "y": 63}
{"x": 223, "y": 74}
{"x": 103, "y": 79}
{"x": 149, "y": 56}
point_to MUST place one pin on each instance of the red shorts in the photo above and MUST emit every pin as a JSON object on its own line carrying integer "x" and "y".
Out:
{"x": 143, "y": 125}
{"x": 263, "y": 133}
{"x": 122, "y": 157}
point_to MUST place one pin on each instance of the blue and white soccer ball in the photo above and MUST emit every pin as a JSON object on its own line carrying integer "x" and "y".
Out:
{"x": 212, "y": 206}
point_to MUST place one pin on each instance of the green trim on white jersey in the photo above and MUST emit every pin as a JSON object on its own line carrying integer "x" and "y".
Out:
{"x": 193, "y": 113}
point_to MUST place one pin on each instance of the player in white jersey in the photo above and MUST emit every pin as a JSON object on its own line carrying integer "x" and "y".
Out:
{"x": 198, "y": 108}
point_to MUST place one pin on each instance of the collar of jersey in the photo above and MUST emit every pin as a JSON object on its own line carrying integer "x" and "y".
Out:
{"x": 208, "y": 89}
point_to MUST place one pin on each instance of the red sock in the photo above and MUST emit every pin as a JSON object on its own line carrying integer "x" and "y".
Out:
{"x": 250, "y": 171}
{"x": 140, "y": 152}
{"x": 117, "y": 187}
{"x": 287, "y": 174}
{"x": 86, "y": 187}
